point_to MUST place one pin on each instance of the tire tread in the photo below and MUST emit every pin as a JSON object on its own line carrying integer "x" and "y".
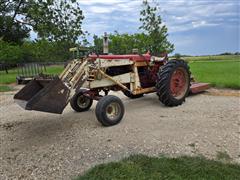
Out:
{"x": 163, "y": 82}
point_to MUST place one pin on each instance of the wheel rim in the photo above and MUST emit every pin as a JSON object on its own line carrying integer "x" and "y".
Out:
{"x": 113, "y": 111}
{"x": 179, "y": 83}
{"x": 83, "y": 101}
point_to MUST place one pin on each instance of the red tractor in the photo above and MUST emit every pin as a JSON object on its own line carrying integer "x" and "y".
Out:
{"x": 91, "y": 78}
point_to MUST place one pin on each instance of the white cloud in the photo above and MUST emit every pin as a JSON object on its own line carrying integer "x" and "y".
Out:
{"x": 179, "y": 15}
{"x": 197, "y": 24}
{"x": 100, "y": 10}
{"x": 92, "y": 2}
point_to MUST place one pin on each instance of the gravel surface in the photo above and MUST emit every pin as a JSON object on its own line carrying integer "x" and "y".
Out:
{"x": 35, "y": 145}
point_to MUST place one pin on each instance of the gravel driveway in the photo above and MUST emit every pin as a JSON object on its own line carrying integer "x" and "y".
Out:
{"x": 35, "y": 145}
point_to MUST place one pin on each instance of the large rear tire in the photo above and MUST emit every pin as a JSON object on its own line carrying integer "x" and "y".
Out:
{"x": 81, "y": 103}
{"x": 109, "y": 110}
{"x": 173, "y": 82}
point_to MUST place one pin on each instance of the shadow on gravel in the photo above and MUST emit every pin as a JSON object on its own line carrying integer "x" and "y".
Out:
{"x": 147, "y": 100}
{"x": 192, "y": 95}
{"x": 42, "y": 130}
{"x": 45, "y": 129}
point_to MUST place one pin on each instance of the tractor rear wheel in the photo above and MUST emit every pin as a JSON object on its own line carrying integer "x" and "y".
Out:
{"x": 173, "y": 82}
{"x": 80, "y": 103}
{"x": 109, "y": 110}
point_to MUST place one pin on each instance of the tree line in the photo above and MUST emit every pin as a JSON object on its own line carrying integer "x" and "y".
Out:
{"x": 153, "y": 37}
{"x": 58, "y": 24}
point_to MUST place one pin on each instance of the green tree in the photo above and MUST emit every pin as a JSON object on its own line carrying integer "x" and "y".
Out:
{"x": 157, "y": 34}
{"x": 153, "y": 37}
{"x": 17, "y": 33}
{"x": 10, "y": 53}
{"x": 123, "y": 43}
{"x": 98, "y": 44}
{"x": 34, "y": 51}
{"x": 45, "y": 51}
{"x": 177, "y": 56}
{"x": 58, "y": 20}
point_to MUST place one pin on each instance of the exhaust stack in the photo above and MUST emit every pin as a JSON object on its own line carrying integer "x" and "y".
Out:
{"x": 105, "y": 44}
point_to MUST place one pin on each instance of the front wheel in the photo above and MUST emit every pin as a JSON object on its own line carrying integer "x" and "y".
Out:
{"x": 109, "y": 110}
{"x": 80, "y": 103}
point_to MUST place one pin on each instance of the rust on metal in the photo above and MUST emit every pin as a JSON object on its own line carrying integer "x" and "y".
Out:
{"x": 144, "y": 90}
{"x": 198, "y": 87}
{"x": 28, "y": 91}
{"x": 179, "y": 83}
{"x": 52, "y": 98}
{"x": 115, "y": 81}
{"x": 139, "y": 64}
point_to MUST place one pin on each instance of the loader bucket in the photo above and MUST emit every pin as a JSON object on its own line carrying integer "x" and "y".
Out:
{"x": 51, "y": 96}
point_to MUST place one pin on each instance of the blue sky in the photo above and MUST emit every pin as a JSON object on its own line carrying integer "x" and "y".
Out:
{"x": 196, "y": 27}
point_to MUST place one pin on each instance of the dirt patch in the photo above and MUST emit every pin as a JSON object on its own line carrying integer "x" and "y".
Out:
{"x": 47, "y": 146}
{"x": 10, "y": 125}
{"x": 223, "y": 92}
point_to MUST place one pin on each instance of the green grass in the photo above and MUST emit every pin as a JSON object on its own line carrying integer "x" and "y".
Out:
{"x": 54, "y": 69}
{"x": 221, "y": 74}
{"x": 11, "y": 76}
{"x": 223, "y": 156}
{"x": 8, "y": 78}
{"x": 143, "y": 167}
{"x": 4, "y": 88}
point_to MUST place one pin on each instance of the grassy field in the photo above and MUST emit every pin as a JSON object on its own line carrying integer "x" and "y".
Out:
{"x": 220, "y": 74}
{"x": 8, "y": 78}
{"x": 11, "y": 76}
{"x": 213, "y": 58}
{"x": 143, "y": 167}
{"x": 54, "y": 69}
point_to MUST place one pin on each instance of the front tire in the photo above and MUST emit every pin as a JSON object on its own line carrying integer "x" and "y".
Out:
{"x": 173, "y": 83}
{"x": 109, "y": 110}
{"x": 81, "y": 103}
